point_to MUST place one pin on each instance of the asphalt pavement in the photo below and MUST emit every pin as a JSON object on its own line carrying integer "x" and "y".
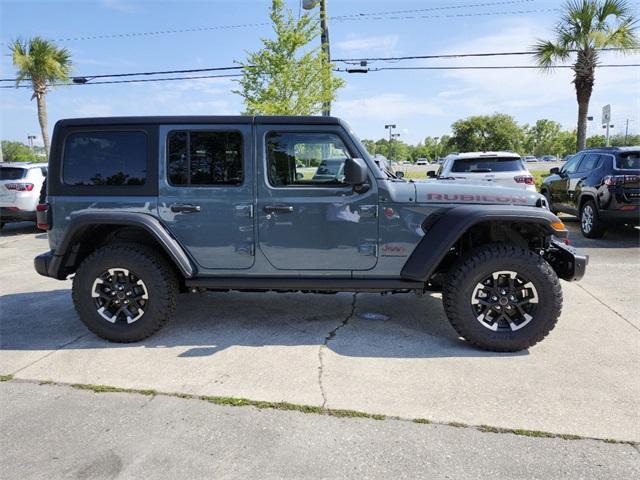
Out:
{"x": 390, "y": 355}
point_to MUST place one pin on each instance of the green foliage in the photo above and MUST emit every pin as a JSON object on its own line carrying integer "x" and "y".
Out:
{"x": 40, "y": 62}
{"x": 286, "y": 77}
{"x": 546, "y": 137}
{"x": 487, "y": 132}
{"x": 17, "y": 152}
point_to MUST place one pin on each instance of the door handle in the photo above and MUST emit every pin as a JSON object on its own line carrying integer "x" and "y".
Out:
{"x": 184, "y": 208}
{"x": 278, "y": 208}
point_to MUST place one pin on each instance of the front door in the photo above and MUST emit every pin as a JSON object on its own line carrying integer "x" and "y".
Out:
{"x": 559, "y": 188}
{"x": 309, "y": 218}
{"x": 206, "y": 192}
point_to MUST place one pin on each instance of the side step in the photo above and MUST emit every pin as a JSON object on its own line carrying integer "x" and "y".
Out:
{"x": 304, "y": 284}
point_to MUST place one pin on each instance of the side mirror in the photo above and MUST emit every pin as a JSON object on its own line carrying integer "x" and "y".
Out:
{"x": 431, "y": 174}
{"x": 299, "y": 176}
{"x": 355, "y": 171}
{"x": 554, "y": 171}
{"x": 399, "y": 174}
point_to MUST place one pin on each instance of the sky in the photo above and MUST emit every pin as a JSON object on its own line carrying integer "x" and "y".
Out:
{"x": 421, "y": 103}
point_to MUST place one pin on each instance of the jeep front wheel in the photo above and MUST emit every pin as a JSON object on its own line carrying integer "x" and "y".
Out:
{"x": 502, "y": 298}
{"x": 124, "y": 293}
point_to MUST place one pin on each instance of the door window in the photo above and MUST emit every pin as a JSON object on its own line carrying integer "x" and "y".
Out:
{"x": 204, "y": 158}
{"x": 305, "y": 159}
{"x": 572, "y": 165}
{"x": 589, "y": 162}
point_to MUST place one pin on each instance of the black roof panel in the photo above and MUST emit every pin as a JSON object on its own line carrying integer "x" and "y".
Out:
{"x": 228, "y": 119}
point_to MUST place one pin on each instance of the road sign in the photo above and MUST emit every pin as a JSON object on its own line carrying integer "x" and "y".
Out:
{"x": 606, "y": 114}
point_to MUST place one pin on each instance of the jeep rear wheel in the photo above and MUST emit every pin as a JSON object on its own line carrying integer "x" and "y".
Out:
{"x": 124, "y": 293}
{"x": 502, "y": 298}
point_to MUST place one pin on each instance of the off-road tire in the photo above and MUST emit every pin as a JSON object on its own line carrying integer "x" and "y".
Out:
{"x": 158, "y": 276}
{"x": 483, "y": 261}
{"x": 594, "y": 229}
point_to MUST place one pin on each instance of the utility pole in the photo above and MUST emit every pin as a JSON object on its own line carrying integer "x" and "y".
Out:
{"x": 324, "y": 42}
{"x": 390, "y": 127}
{"x": 626, "y": 132}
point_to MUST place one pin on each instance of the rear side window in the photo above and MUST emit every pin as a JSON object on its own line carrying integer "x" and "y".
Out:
{"x": 204, "y": 158}
{"x": 116, "y": 158}
{"x": 486, "y": 165}
{"x": 629, "y": 161}
{"x": 12, "y": 173}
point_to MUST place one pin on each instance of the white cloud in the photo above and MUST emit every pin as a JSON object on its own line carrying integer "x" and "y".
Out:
{"x": 382, "y": 44}
{"x": 386, "y": 107}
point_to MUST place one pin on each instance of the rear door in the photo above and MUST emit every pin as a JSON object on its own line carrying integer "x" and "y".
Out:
{"x": 206, "y": 192}
{"x": 309, "y": 218}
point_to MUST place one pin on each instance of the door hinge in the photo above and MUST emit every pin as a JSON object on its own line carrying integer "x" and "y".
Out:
{"x": 368, "y": 249}
{"x": 244, "y": 211}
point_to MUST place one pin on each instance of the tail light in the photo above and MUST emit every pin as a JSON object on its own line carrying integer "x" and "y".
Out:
{"x": 42, "y": 216}
{"x": 526, "y": 179}
{"x": 20, "y": 187}
{"x": 621, "y": 179}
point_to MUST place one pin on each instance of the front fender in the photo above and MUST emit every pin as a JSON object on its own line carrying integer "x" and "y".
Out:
{"x": 444, "y": 231}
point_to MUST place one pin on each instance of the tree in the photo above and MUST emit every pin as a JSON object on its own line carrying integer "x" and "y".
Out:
{"x": 43, "y": 64}
{"x": 585, "y": 27}
{"x": 285, "y": 77}
{"x": 16, "y": 152}
{"x": 487, "y": 132}
{"x": 543, "y": 138}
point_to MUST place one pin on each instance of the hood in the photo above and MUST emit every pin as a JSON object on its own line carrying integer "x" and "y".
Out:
{"x": 440, "y": 192}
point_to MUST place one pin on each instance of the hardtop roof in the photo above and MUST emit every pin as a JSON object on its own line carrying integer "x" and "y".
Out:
{"x": 199, "y": 119}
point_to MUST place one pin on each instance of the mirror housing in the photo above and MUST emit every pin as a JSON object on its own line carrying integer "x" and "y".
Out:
{"x": 399, "y": 174}
{"x": 431, "y": 174}
{"x": 554, "y": 171}
{"x": 355, "y": 171}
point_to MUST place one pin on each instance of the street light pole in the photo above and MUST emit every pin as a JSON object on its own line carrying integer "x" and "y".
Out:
{"x": 390, "y": 127}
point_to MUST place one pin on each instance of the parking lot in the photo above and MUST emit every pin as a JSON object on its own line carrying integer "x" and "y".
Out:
{"x": 391, "y": 355}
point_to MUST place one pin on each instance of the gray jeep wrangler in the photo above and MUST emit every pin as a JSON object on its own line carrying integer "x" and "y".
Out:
{"x": 140, "y": 209}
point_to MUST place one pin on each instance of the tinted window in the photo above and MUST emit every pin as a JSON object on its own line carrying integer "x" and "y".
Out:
{"x": 204, "y": 158}
{"x": 306, "y": 159}
{"x": 12, "y": 173}
{"x": 589, "y": 162}
{"x": 485, "y": 165}
{"x": 105, "y": 158}
{"x": 572, "y": 164}
{"x": 629, "y": 161}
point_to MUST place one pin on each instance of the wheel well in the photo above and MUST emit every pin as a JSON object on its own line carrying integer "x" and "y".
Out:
{"x": 584, "y": 199}
{"x": 91, "y": 237}
{"x": 528, "y": 235}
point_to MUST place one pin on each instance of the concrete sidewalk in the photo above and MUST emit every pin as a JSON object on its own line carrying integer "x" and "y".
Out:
{"x": 60, "y": 432}
{"x": 324, "y": 350}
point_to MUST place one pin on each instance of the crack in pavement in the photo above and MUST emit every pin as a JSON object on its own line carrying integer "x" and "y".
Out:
{"x": 61, "y": 347}
{"x": 330, "y": 336}
{"x": 607, "y": 306}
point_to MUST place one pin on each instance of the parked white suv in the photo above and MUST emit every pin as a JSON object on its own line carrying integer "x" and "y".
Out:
{"x": 20, "y": 188}
{"x": 500, "y": 168}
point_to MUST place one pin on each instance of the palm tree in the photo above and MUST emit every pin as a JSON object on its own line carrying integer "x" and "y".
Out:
{"x": 41, "y": 62}
{"x": 587, "y": 26}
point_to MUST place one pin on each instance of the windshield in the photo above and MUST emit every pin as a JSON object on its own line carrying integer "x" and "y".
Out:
{"x": 12, "y": 173}
{"x": 480, "y": 165}
{"x": 629, "y": 161}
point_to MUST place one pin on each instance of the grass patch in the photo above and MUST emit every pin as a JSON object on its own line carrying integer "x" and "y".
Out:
{"x": 458, "y": 424}
{"x": 6, "y": 378}
{"x": 528, "y": 433}
{"x": 421, "y": 420}
{"x": 110, "y": 389}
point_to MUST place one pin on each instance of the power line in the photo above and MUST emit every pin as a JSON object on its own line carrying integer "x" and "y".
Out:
{"x": 449, "y": 55}
{"x": 480, "y": 67}
{"x": 339, "y": 18}
{"x": 137, "y": 80}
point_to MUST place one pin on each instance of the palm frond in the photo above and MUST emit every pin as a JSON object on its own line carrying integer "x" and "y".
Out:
{"x": 548, "y": 53}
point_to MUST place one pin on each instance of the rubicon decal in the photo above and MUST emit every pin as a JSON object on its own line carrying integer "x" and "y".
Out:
{"x": 468, "y": 197}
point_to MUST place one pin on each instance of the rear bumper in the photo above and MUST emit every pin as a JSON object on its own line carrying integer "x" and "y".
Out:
{"x": 14, "y": 214}
{"x": 621, "y": 216}
{"x": 566, "y": 261}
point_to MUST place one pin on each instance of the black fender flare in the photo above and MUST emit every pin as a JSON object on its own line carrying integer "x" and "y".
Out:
{"x": 444, "y": 230}
{"x": 82, "y": 220}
